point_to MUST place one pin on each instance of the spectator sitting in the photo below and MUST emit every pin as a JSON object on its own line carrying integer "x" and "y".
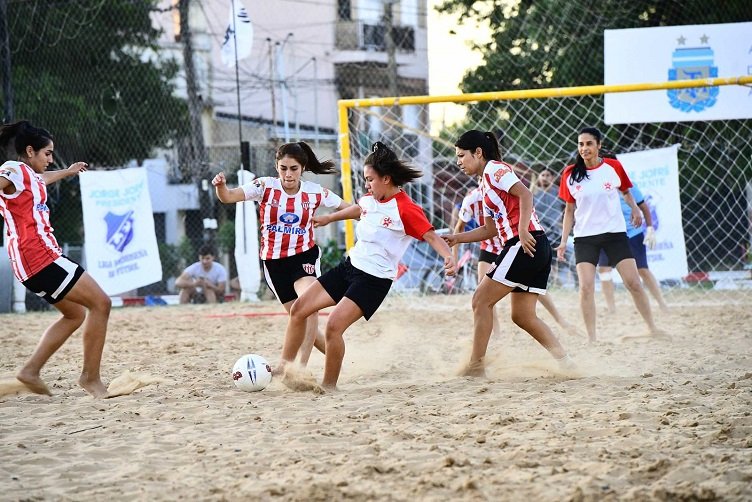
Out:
{"x": 203, "y": 281}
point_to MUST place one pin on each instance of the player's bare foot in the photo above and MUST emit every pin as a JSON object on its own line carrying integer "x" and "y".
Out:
{"x": 570, "y": 328}
{"x": 94, "y": 387}
{"x": 474, "y": 369}
{"x": 34, "y": 383}
{"x": 659, "y": 334}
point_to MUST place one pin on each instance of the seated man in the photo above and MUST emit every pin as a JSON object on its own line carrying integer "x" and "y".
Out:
{"x": 203, "y": 281}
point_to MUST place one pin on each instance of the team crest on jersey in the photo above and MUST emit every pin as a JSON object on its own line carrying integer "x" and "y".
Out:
{"x": 119, "y": 229}
{"x": 309, "y": 268}
{"x": 608, "y": 186}
{"x": 7, "y": 172}
{"x": 387, "y": 222}
{"x": 306, "y": 205}
{"x": 257, "y": 183}
{"x": 289, "y": 218}
{"x": 578, "y": 187}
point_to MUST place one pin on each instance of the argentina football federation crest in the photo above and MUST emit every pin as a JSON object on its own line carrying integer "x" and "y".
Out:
{"x": 692, "y": 63}
{"x": 119, "y": 230}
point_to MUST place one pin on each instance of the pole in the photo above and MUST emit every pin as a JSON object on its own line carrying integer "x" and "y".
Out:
{"x": 271, "y": 85}
{"x": 316, "y": 100}
{"x": 283, "y": 88}
{"x": 391, "y": 53}
{"x": 5, "y": 67}
{"x": 237, "y": 82}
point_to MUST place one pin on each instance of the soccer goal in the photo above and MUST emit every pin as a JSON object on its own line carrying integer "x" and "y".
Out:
{"x": 696, "y": 175}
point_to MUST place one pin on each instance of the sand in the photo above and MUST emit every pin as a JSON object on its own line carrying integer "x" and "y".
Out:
{"x": 640, "y": 420}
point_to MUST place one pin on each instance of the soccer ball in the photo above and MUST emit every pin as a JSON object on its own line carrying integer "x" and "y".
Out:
{"x": 251, "y": 373}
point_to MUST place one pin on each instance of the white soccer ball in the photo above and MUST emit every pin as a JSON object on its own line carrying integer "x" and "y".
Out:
{"x": 251, "y": 373}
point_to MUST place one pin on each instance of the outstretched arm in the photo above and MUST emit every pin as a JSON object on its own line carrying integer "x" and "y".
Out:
{"x": 441, "y": 247}
{"x": 487, "y": 231}
{"x": 224, "y": 194}
{"x": 346, "y": 211}
{"x": 51, "y": 177}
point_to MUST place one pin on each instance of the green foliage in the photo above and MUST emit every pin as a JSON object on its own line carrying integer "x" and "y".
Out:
{"x": 169, "y": 256}
{"x": 331, "y": 255}
{"x": 226, "y": 237}
{"x": 89, "y": 72}
{"x": 187, "y": 253}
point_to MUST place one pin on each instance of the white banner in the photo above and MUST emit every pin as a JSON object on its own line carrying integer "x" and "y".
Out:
{"x": 246, "y": 244}
{"x": 667, "y": 53}
{"x": 120, "y": 244}
{"x": 656, "y": 174}
{"x": 239, "y": 33}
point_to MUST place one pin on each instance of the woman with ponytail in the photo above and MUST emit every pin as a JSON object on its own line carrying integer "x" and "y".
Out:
{"x": 389, "y": 220}
{"x": 591, "y": 188}
{"x": 523, "y": 264}
{"x": 38, "y": 261}
{"x": 287, "y": 205}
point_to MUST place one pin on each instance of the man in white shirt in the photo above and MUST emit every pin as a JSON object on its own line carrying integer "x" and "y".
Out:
{"x": 203, "y": 281}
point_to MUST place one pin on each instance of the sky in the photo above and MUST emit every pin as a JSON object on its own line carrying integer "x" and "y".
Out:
{"x": 449, "y": 56}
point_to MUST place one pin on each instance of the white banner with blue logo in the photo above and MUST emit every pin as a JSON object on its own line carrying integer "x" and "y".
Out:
{"x": 120, "y": 243}
{"x": 656, "y": 174}
{"x": 668, "y": 53}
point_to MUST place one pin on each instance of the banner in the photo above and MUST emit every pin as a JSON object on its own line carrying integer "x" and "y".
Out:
{"x": 246, "y": 244}
{"x": 120, "y": 244}
{"x": 239, "y": 33}
{"x": 667, "y": 53}
{"x": 656, "y": 174}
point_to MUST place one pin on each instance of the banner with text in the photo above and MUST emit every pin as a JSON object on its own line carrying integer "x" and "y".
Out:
{"x": 120, "y": 243}
{"x": 666, "y": 53}
{"x": 656, "y": 174}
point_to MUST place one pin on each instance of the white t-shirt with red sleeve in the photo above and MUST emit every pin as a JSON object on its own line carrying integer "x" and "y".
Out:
{"x": 384, "y": 233}
{"x": 286, "y": 221}
{"x": 499, "y": 204}
{"x": 596, "y": 198}
{"x": 472, "y": 209}
{"x": 31, "y": 245}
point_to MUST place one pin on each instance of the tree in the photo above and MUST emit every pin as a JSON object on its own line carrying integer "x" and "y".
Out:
{"x": 89, "y": 71}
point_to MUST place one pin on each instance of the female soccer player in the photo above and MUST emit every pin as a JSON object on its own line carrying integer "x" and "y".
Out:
{"x": 359, "y": 284}
{"x": 590, "y": 187}
{"x": 39, "y": 263}
{"x": 287, "y": 205}
{"x": 524, "y": 263}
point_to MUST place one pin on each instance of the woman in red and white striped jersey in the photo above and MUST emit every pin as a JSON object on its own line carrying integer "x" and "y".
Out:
{"x": 524, "y": 263}
{"x": 38, "y": 261}
{"x": 287, "y": 205}
{"x": 389, "y": 220}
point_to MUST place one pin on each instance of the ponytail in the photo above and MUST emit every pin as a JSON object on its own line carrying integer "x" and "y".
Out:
{"x": 486, "y": 141}
{"x": 385, "y": 162}
{"x": 24, "y": 134}
{"x": 303, "y": 153}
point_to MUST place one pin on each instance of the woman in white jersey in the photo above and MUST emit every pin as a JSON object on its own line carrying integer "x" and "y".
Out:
{"x": 524, "y": 263}
{"x": 287, "y": 204}
{"x": 389, "y": 219}
{"x": 39, "y": 263}
{"x": 590, "y": 187}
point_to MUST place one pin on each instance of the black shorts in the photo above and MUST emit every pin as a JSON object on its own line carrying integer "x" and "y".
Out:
{"x": 636, "y": 244}
{"x": 517, "y": 269}
{"x": 365, "y": 290}
{"x": 282, "y": 273}
{"x": 487, "y": 256}
{"x": 588, "y": 249}
{"x": 55, "y": 280}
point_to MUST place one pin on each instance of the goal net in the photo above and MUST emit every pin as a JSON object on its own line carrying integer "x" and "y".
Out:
{"x": 702, "y": 207}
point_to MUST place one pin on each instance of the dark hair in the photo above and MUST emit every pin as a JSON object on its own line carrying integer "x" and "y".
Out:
{"x": 472, "y": 139}
{"x": 385, "y": 163}
{"x": 579, "y": 171}
{"x": 206, "y": 249}
{"x": 24, "y": 134}
{"x": 303, "y": 153}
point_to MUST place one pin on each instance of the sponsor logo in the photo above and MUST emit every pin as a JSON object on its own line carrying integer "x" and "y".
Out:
{"x": 283, "y": 229}
{"x": 119, "y": 229}
{"x": 42, "y": 208}
{"x": 692, "y": 63}
{"x": 289, "y": 218}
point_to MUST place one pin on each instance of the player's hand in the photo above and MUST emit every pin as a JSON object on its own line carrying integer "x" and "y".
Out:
{"x": 527, "y": 241}
{"x": 321, "y": 221}
{"x": 637, "y": 218}
{"x": 650, "y": 241}
{"x": 561, "y": 250}
{"x": 450, "y": 239}
{"x": 450, "y": 265}
{"x": 219, "y": 179}
{"x": 76, "y": 168}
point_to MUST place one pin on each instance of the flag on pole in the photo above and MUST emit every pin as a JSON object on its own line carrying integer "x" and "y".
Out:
{"x": 239, "y": 32}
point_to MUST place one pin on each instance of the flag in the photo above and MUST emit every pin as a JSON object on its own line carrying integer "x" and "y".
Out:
{"x": 239, "y": 32}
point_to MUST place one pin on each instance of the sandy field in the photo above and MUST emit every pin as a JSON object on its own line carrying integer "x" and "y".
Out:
{"x": 640, "y": 420}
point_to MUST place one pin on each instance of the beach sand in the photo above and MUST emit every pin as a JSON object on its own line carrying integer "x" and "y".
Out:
{"x": 640, "y": 420}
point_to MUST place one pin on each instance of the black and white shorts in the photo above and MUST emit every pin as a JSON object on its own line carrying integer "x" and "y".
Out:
{"x": 282, "y": 273}
{"x": 524, "y": 273}
{"x": 365, "y": 290}
{"x": 55, "y": 280}
{"x": 615, "y": 245}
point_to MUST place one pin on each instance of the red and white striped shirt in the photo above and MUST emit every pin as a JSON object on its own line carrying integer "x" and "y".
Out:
{"x": 31, "y": 245}
{"x": 472, "y": 209}
{"x": 286, "y": 221}
{"x": 499, "y": 204}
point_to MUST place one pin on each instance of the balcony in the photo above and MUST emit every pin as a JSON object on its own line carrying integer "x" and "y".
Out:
{"x": 360, "y": 36}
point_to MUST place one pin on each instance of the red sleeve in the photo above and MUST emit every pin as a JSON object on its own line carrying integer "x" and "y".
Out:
{"x": 626, "y": 183}
{"x": 564, "y": 192}
{"x": 413, "y": 218}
